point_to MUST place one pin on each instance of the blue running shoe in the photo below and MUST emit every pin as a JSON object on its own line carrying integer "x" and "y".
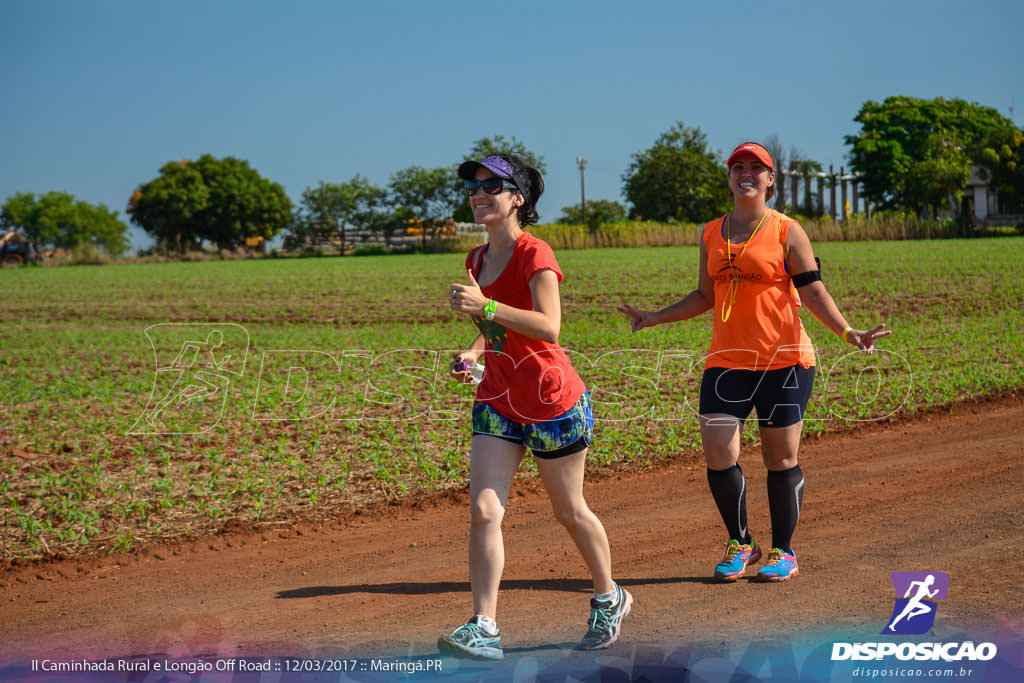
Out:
{"x": 606, "y": 620}
{"x": 471, "y": 640}
{"x": 737, "y": 557}
{"x": 781, "y": 566}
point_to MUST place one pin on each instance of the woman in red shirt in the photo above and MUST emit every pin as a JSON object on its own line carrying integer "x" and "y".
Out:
{"x": 530, "y": 397}
{"x": 760, "y": 356}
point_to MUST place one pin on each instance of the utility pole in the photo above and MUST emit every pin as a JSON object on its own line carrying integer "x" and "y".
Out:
{"x": 583, "y": 195}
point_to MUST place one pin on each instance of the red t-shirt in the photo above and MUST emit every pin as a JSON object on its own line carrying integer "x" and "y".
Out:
{"x": 527, "y": 380}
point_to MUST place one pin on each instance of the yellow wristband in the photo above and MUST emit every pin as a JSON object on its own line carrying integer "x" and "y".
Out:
{"x": 845, "y": 331}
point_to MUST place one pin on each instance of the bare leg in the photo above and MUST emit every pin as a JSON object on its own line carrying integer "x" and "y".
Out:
{"x": 493, "y": 464}
{"x": 779, "y": 446}
{"x": 720, "y": 437}
{"x": 563, "y": 479}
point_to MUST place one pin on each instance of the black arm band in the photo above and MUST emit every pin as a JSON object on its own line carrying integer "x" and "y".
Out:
{"x": 807, "y": 278}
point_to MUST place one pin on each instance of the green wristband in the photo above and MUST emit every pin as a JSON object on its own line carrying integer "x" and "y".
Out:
{"x": 490, "y": 308}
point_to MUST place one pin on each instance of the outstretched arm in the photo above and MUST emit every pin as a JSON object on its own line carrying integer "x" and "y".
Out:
{"x": 800, "y": 258}
{"x": 693, "y": 304}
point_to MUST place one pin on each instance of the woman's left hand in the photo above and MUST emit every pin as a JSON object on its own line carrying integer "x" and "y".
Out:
{"x": 865, "y": 339}
{"x": 467, "y": 298}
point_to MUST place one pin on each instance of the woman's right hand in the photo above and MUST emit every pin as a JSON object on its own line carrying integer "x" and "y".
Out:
{"x": 865, "y": 339}
{"x": 638, "y": 319}
{"x": 464, "y": 360}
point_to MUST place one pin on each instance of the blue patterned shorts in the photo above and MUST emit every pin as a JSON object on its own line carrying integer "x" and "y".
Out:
{"x": 568, "y": 433}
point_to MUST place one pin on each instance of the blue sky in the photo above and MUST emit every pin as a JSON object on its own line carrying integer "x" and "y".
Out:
{"x": 98, "y": 94}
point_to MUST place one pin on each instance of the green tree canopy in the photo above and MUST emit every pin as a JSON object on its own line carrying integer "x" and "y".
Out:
{"x": 678, "y": 178}
{"x": 428, "y": 194}
{"x": 942, "y": 172}
{"x": 910, "y": 150}
{"x": 599, "y": 212}
{"x": 329, "y": 208}
{"x": 500, "y": 145}
{"x": 220, "y": 200}
{"x": 57, "y": 219}
{"x": 169, "y": 206}
{"x": 1002, "y": 158}
{"x": 486, "y": 146}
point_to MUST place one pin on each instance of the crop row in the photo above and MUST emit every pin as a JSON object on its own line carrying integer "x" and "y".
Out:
{"x": 151, "y": 402}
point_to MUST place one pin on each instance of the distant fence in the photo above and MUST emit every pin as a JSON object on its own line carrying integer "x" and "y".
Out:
{"x": 847, "y": 184}
{"x": 357, "y": 238}
{"x": 857, "y": 227}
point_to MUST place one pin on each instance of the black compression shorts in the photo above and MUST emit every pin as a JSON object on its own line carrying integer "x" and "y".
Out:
{"x": 779, "y": 396}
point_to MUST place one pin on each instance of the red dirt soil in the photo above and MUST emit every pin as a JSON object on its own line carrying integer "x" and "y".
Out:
{"x": 937, "y": 492}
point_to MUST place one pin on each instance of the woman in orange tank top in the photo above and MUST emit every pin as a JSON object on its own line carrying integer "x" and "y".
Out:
{"x": 756, "y": 264}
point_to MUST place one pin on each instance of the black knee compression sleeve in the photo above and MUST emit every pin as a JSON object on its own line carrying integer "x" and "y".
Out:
{"x": 729, "y": 488}
{"x": 785, "y": 496}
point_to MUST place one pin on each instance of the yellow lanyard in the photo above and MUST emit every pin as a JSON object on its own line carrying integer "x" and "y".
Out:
{"x": 734, "y": 284}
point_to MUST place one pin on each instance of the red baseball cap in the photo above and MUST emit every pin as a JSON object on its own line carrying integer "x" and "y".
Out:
{"x": 752, "y": 148}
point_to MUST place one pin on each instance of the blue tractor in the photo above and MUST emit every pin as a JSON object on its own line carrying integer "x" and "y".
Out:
{"x": 16, "y": 250}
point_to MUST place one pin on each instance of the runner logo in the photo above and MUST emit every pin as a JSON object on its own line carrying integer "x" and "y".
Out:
{"x": 195, "y": 364}
{"x": 914, "y": 612}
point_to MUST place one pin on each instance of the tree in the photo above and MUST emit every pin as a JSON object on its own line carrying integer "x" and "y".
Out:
{"x": 329, "y": 208}
{"x": 428, "y": 194}
{"x": 242, "y": 202}
{"x": 599, "y": 212}
{"x": 1002, "y": 162}
{"x": 168, "y": 206}
{"x": 678, "y": 178}
{"x": 486, "y": 147}
{"x": 219, "y": 200}
{"x": 941, "y": 173}
{"x": 101, "y": 226}
{"x": 21, "y": 212}
{"x": 57, "y": 219}
{"x": 907, "y": 144}
{"x": 499, "y": 145}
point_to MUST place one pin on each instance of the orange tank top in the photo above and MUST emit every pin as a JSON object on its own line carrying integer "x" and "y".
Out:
{"x": 761, "y": 329}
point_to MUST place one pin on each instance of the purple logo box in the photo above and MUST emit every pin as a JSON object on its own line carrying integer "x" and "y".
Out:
{"x": 902, "y": 581}
{"x": 915, "y": 605}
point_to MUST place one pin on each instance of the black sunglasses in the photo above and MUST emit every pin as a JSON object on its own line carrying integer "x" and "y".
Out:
{"x": 492, "y": 185}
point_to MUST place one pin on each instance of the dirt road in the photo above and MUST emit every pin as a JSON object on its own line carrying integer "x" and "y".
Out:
{"x": 940, "y": 492}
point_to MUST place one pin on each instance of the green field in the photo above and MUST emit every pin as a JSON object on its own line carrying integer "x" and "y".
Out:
{"x": 88, "y": 463}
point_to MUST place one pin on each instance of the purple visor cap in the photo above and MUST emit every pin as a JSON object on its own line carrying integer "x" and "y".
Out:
{"x": 494, "y": 164}
{"x": 497, "y": 166}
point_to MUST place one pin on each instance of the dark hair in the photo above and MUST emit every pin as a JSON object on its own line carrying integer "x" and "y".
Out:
{"x": 529, "y": 176}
